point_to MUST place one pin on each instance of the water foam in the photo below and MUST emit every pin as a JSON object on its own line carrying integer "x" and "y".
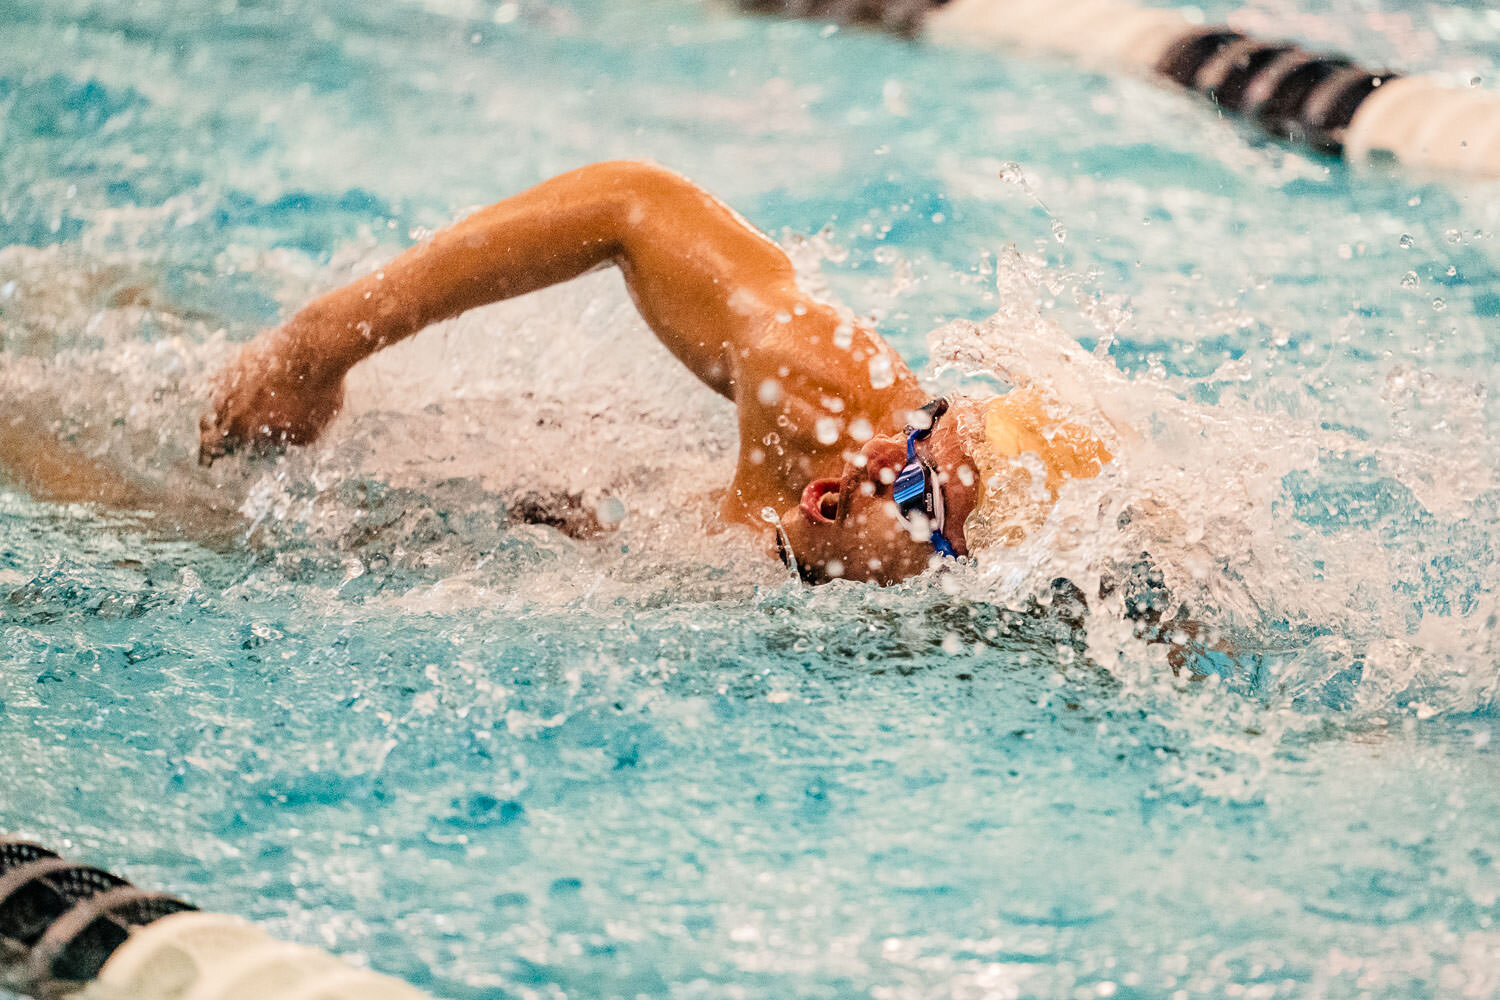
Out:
{"x": 1316, "y": 603}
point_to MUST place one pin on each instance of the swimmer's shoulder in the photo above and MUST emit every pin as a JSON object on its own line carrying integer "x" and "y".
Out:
{"x": 1029, "y": 420}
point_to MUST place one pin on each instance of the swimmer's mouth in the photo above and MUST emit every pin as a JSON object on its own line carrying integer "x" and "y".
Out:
{"x": 820, "y": 501}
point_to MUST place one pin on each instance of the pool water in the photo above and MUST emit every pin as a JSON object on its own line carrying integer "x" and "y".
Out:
{"x": 499, "y": 762}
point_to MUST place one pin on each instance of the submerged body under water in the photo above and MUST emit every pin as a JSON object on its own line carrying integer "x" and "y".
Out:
{"x": 380, "y": 718}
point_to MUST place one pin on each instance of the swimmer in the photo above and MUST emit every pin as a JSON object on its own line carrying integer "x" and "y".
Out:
{"x": 845, "y": 465}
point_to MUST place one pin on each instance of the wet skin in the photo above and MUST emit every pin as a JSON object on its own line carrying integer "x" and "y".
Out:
{"x": 821, "y": 398}
{"x": 849, "y": 527}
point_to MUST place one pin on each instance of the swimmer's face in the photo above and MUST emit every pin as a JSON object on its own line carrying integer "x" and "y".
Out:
{"x": 849, "y": 527}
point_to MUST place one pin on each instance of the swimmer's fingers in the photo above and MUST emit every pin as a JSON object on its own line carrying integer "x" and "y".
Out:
{"x": 263, "y": 403}
{"x": 214, "y": 438}
{"x": 215, "y": 441}
{"x": 219, "y": 432}
{"x": 212, "y": 442}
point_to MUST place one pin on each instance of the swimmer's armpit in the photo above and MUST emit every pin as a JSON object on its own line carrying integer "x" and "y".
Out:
{"x": 566, "y": 512}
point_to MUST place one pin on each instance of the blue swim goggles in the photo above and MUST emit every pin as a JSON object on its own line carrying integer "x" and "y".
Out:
{"x": 917, "y": 490}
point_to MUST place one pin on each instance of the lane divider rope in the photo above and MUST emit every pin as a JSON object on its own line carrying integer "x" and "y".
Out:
{"x": 1326, "y": 102}
{"x": 75, "y": 931}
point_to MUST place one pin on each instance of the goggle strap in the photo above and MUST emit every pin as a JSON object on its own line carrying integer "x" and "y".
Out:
{"x": 942, "y": 546}
{"x": 906, "y": 480}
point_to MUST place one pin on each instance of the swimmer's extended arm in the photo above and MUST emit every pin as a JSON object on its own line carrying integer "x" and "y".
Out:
{"x": 704, "y": 279}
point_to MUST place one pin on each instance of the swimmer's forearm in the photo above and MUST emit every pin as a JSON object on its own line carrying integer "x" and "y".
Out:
{"x": 683, "y": 253}
{"x": 547, "y": 235}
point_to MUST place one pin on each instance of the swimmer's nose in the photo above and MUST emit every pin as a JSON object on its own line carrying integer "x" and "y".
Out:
{"x": 884, "y": 459}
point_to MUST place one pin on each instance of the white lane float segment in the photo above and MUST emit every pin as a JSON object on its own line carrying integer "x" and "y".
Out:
{"x": 165, "y": 959}
{"x": 1103, "y": 33}
{"x": 213, "y": 956}
{"x": 353, "y": 984}
{"x": 1324, "y": 101}
{"x": 74, "y": 932}
{"x": 261, "y": 972}
{"x": 1390, "y": 117}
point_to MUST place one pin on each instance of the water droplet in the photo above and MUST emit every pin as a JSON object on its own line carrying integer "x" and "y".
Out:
{"x": 1438, "y": 305}
{"x": 610, "y": 510}
{"x": 1453, "y": 236}
{"x": 882, "y": 373}
{"x": 769, "y": 515}
{"x": 860, "y": 430}
{"x": 1475, "y": 81}
{"x": 952, "y": 644}
{"x": 1406, "y": 241}
{"x": 843, "y": 336}
{"x": 1410, "y": 280}
{"x": 1414, "y": 201}
{"x": 1059, "y": 231}
{"x": 1451, "y": 270}
{"x": 769, "y": 392}
{"x": 827, "y": 430}
{"x": 834, "y": 568}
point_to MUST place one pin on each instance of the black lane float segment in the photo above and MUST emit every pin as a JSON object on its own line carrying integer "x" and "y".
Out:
{"x": 1294, "y": 95}
{"x": 1332, "y": 105}
{"x": 1284, "y": 114}
{"x": 1267, "y": 84}
{"x": 33, "y": 895}
{"x": 1217, "y": 68}
{"x": 73, "y": 950}
{"x": 14, "y": 853}
{"x": 1188, "y": 54}
{"x": 1230, "y": 90}
{"x": 902, "y": 17}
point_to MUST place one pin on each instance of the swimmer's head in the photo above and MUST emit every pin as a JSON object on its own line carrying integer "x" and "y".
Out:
{"x": 852, "y": 528}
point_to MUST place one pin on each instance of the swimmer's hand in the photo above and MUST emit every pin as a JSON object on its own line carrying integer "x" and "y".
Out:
{"x": 269, "y": 396}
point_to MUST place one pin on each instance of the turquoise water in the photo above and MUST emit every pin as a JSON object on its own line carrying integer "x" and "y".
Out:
{"x": 501, "y": 763}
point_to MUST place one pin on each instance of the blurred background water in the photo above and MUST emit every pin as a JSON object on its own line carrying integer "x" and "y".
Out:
{"x": 503, "y": 763}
